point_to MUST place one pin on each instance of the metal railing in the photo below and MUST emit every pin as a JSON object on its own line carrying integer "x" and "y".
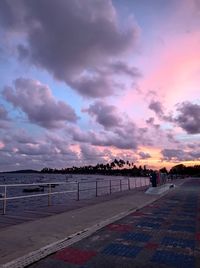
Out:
{"x": 137, "y": 183}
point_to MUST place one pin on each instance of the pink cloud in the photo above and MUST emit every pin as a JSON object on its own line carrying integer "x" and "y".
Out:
{"x": 2, "y": 145}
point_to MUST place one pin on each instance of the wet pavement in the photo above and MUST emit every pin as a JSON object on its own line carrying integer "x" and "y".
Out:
{"x": 165, "y": 233}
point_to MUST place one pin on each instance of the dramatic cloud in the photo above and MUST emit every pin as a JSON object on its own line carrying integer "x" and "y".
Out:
{"x": 106, "y": 115}
{"x": 102, "y": 81}
{"x": 177, "y": 155}
{"x": 91, "y": 154}
{"x": 4, "y": 119}
{"x": 95, "y": 86}
{"x": 102, "y": 94}
{"x": 81, "y": 36}
{"x": 189, "y": 117}
{"x": 124, "y": 137}
{"x": 150, "y": 122}
{"x": 120, "y": 67}
{"x": 38, "y": 103}
{"x": 144, "y": 155}
{"x": 156, "y": 106}
{"x": 3, "y": 113}
{"x": 22, "y": 137}
{"x": 173, "y": 154}
{"x": 119, "y": 131}
{"x": 35, "y": 152}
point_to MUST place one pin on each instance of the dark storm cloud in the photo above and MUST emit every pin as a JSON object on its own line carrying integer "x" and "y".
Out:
{"x": 189, "y": 117}
{"x": 37, "y": 102}
{"x": 70, "y": 37}
{"x": 106, "y": 115}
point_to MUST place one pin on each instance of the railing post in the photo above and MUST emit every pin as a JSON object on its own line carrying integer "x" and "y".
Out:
{"x": 120, "y": 181}
{"x": 5, "y": 200}
{"x": 135, "y": 182}
{"x": 129, "y": 185}
{"x": 49, "y": 195}
{"x": 78, "y": 197}
{"x": 110, "y": 187}
{"x": 140, "y": 182}
{"x": 96, "y": 188}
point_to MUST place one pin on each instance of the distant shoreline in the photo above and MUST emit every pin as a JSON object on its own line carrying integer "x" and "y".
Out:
{"x": 21, "y": 171}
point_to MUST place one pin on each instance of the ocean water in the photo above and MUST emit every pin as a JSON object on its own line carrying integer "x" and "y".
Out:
{"x": 86, "y": 183}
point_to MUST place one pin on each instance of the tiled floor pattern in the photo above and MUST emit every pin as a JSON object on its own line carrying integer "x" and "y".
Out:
{"x": 163, "y": 234}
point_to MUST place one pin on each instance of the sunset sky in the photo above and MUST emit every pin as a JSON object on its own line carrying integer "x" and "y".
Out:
{"x": 87, "y": 81}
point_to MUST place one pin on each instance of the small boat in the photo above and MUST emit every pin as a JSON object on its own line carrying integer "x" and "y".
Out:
{"x": 53, "y": 185}
{"x": 32, "y": 190}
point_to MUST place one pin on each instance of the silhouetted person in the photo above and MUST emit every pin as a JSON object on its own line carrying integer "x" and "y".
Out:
{"x": 154, "y": 179}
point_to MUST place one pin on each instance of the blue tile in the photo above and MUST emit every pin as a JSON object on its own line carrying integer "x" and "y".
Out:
{"x": 148, "y": 225}
{"x": 173, "y": 259}
{"x": 183, "y": 243}
{"x": 186, "y": 215}
{"x": 153, "y": 219}
{"x": 180, "y": 228}
{"x": 161, "y": 214}
{"x": 121, "y": 250}
{"x": 161, "y": 211}
{"x": 185, "y": 222}
{"x": 137, "y": 237}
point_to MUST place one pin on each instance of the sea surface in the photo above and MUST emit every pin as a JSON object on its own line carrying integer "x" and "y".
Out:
{"x": 86, "y": 184}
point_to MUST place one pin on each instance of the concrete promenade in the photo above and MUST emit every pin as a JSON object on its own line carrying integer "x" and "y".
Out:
{"x": 47, "y": 235}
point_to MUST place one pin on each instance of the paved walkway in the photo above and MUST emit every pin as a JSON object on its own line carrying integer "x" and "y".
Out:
{"x": 164, "y": 234}
{"x": 21, "y": 239}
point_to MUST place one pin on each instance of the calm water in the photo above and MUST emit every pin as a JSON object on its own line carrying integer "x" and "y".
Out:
{"x": 87, "y": 186}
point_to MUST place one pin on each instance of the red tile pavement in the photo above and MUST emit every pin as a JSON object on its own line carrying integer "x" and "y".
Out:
{"x": 138, "y": 213}
{"x": 197, "y": 236}
{"x": 74, "y": 256}
{"x": 152, "y": 246}
{"x": 120, "y": 227}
